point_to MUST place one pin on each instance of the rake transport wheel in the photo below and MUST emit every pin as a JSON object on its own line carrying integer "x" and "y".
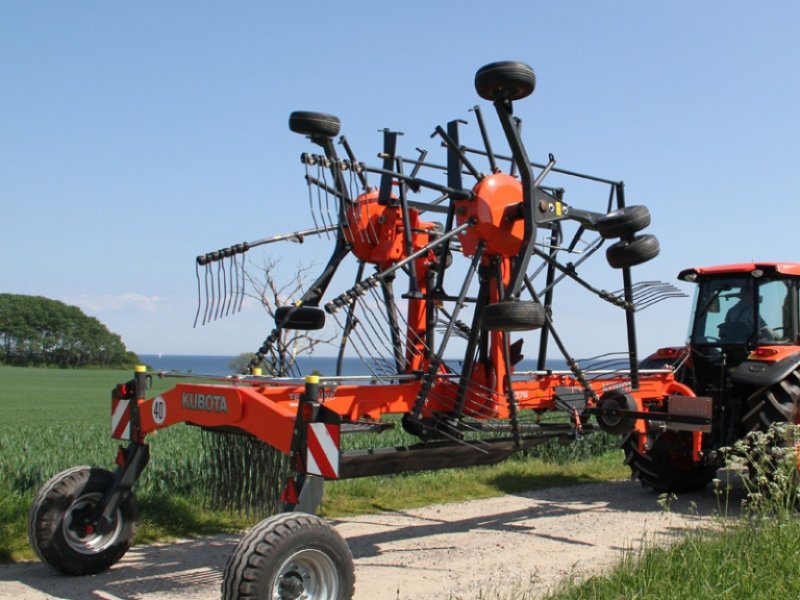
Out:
{"x": 290, "y": 556}
{"x": 507, "y": 79}
{"x": 638, "y": 250}
{"x": 623, "y": 222}
{"x": 668, "y": 465}
{"x": 777, "y": 403}
{"x": 513, "y": 316}
{"x": 314, "y": 123}
{"x": 611, "y": 423}
{"x": 61, "y": 531}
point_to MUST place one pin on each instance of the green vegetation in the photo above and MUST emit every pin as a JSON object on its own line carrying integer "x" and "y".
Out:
{"x": 755, "y": 560}
{"x": 56, "y": 419}
{"x": 36, "y": 331}
{"x": 752, "y": 557}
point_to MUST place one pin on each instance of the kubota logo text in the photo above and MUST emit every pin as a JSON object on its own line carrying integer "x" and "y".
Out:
{"x": 210, "y": 402}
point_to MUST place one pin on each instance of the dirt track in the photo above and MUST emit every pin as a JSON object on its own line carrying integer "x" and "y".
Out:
{"x": 529, "y": 541}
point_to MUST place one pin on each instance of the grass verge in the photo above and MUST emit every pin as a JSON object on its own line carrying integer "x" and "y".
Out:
{"x": 754, "y": 560}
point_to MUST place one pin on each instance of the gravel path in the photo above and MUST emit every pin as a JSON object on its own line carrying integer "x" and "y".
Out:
{"x": 490, "y": 547}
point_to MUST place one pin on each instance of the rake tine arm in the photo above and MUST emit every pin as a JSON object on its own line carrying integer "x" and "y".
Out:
{"x": 486, "y": 142}
{"x": 349, "y": 151}
{"x": 324, "y": 186}
{"x": 415, "y": 183}
{"x": 373, "y": 280}
{"x": 419, "y": 162}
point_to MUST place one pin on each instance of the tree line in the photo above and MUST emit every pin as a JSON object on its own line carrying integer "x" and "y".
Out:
{"x": 37, "y": 331}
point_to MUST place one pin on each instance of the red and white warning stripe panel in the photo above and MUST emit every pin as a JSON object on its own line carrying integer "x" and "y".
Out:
{"x": 323, "y": 450}
{"x": 121, "y": 419}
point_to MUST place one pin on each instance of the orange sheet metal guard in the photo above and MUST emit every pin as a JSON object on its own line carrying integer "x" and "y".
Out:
{"x": 269, "y": 412}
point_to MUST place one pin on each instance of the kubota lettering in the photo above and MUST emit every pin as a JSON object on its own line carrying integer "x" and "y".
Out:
{"x": 208, "y": 402}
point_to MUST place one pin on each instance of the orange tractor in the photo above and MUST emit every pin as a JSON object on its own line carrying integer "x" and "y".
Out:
{"x": 509, "y": 234}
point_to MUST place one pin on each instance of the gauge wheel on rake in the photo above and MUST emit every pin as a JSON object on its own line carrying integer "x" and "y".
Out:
{"x": 777, "y": 403}
{"x": 668, "y": 465}
{"x": 513, "y": 316}
{"x": 290, "y": 555}
{"x": 62, "y": 532}
{"x": 314, "y": 123}
{"x": 616, "y": 424}
{"x": 629, "y": 253}
{"x": 510, "y": 80}
{"x": 623, "y": 222}
{"x": 306, "y": 318}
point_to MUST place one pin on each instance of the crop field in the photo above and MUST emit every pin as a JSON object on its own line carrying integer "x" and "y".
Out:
{"x": 54, "y": 419}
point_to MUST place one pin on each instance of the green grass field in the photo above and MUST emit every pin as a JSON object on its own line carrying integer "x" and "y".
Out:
{"x": 55, "y": 419}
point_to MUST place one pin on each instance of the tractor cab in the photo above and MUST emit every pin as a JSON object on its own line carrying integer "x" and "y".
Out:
{"x": 739, "y": 308}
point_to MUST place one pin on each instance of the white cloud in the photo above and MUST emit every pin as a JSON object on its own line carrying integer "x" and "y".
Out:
{"x": 119, "y": 302}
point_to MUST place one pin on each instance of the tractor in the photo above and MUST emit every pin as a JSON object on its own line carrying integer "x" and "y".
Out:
{"x": 742, "y": 360}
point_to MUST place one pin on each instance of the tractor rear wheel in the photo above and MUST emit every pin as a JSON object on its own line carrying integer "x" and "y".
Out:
{"x": 290, "y": 555}
{"x": 60, "y": 528}
{"x": 638, "y": 250}
{"x": 513, "y": 316}
{"x": 305, "y": 318}
{"x": 623, "y": 222}
{"x": 775, "y": 404}
{"x": 314, "y": 123}
{"x": 668, "y": 465}
{"x": 507, "y": 79}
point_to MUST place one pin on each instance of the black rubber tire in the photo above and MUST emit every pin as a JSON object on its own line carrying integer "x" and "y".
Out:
{"x": 508, "y": 79}
{"x": 513, "y": 316}
{"x": 305, "y": 318}
{"x": 60, "y": 500}
{"x": 275, "y": 554}
{"x": 616, "y": 425}
{"x": 667, "y": 466}
{"x": 623, "y": 222}
{"x": 314, "y": 123}
{"x": 775, "y": 404}
{"x": 638, "y": 250}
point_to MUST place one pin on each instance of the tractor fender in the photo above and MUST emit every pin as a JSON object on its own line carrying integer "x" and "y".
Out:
{"x": 762, "y": 374}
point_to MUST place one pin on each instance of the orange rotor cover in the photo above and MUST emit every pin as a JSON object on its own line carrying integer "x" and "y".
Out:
{"x": 495, "y": 198}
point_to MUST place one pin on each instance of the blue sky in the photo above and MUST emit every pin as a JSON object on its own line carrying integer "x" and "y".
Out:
{"x": 136, "y": 136}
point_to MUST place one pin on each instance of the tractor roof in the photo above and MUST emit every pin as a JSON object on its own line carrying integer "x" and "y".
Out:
{"x": 739, "y": 268}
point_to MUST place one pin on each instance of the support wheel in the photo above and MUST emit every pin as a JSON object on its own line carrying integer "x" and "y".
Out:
{"x": 314, "y": 123}
{"x": 623, "y": 222}
{"x": 668, "y": 465}
{"x": 300, "y": 317}
{"x": 638, "y": 250}
{"x": 513, "y": 316}
{"x": 291, "y": 556}
{"x": 61, "y": 531}
{"x": 775, "y": 404}
{"x": 507, "y": 79}
{"x": 611, "y": 423}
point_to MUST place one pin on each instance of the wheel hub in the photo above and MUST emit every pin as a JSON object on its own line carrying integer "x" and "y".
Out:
{"x": 82, "y": 534}
{"x": 306, "y": 575}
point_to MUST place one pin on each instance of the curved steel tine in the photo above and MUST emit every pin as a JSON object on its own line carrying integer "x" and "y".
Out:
{"x": 331, "y": 220}
{"x": 233, "y": 269}
{"x": 311, "y": 199}
{"x": 208, "y": 295}
{"x": 199, "y": 299}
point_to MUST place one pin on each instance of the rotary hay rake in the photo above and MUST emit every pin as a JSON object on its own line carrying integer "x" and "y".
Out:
{"x": 515, "y": 240}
